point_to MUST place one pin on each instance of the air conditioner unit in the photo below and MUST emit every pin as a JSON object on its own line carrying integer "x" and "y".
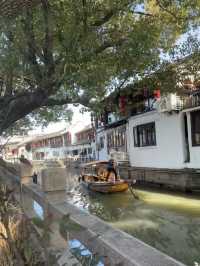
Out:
{"x": 169, "y": 103}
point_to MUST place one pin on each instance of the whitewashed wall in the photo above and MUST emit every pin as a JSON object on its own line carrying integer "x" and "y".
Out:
{"x": 170, "y": 149}
{"x": 50, "y": 153}
{"x": 62, "y": 152}
{"x": 194, "y": 150}
{"x": 22, "y": 151}
{"x": 103, "y": 153}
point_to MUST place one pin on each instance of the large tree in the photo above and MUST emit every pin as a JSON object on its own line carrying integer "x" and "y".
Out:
{"x": 59, "y": 52}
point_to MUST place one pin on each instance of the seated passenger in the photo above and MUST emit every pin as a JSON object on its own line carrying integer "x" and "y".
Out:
{"x": 102, "y": 174}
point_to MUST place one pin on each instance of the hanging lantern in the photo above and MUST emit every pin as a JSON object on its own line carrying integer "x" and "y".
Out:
{"x": 122, "y": 104}
{"x": 157, "y": 94}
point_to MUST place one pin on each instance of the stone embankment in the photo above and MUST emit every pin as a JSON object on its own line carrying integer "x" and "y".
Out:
{"x": 187, "y": 180}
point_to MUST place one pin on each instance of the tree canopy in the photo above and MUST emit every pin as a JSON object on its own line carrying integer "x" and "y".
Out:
{"x": 62, "y": 52}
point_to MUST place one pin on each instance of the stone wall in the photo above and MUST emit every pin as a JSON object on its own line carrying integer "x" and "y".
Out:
{"x": 184, "y": 179}
{"x": 53, "y": 179}
{"x": 26, "y": 172}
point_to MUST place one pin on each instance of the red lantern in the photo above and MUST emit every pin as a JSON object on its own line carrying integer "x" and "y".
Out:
{"x": 157, "y": 94}
{"x": 122, "y": 104}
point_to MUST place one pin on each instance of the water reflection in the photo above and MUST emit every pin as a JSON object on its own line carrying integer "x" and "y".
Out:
{"x": 169, "y": 222}
{"x": 38, "y": 209}
{"x": 83, "y": 254}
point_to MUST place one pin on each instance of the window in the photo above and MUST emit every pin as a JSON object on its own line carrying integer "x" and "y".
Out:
{"x": 89, "y": 150}
{"x": 75, "y": 152}
{"x": 101, "y": 143}
{"x": 117, "y": 138}
{"x": 145, "y": 135}
{"x": 195, "y": 127}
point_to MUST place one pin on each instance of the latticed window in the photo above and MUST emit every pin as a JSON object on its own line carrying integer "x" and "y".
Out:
{"x": 144, "y": 135}
{"x": 117, "y": 138}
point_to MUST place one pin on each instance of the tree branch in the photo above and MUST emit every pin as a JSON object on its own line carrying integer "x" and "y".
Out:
{"x": 143, "y": 13}
{"x": 105, "y": 19}
{"x": 79, "y": 99}
{"x": 52, "y": 102}
{"x": 32, "y": 49}
{"x": 106, "y": 45}
{"x": 19, "y": 106}
{"x": 48, "y": 39}
{"x": 166, "y": 10}
{"x": 84, "y": 4}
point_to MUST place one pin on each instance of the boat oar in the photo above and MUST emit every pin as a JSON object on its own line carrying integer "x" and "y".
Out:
{"x": 130, "y": 185}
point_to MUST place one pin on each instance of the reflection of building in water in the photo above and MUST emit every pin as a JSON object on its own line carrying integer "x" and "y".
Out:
{"x": 38, "y": 209}
{"x": 83, "y": 254}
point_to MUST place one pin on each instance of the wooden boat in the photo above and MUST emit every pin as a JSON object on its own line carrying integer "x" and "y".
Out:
{"x": 96, "y": 181}
{"x": 92, "y": 183}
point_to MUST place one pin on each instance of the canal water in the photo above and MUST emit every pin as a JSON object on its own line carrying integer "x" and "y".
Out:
{"x": 167, "y": 221}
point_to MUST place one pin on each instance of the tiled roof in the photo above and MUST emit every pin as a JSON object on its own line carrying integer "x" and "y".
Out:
{"x": 42, "y": 137}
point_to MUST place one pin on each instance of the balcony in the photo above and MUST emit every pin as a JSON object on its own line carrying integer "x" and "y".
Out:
{"x": 192, "y": 101}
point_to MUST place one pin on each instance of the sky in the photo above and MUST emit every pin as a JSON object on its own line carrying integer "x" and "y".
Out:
{"x": 79, "y": 121}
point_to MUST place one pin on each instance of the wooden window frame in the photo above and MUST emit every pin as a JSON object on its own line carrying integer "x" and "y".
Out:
{"x": 140, "y": 132}
{"x": 192, "y": 118}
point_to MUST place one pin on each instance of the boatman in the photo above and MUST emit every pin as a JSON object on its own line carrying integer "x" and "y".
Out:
{"x": 111, "y": 168}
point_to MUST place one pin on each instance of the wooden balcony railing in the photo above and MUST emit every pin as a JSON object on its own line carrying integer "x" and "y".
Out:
{"x": 192, "y": 100}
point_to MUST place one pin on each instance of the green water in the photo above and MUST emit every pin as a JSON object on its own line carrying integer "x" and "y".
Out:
{"x": 166, "y": 221}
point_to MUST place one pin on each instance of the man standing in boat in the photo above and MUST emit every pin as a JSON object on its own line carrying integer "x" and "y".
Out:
{"x": 111, "y": 169}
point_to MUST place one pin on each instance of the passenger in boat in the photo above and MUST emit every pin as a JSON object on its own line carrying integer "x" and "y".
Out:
{"x": 111, "y": 169}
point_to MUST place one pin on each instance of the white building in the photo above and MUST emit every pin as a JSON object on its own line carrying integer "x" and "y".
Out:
{"x": 12, "y": 150}
{"x": 167, "y": 136}
{"x": 60, "y": 145}
{"x": 83, "y": 146}
{"x": 165, "y": 139}
{"x": 101, "y": 144}
{"x": 162, "y": 142}
{"x": 111, "y": 141}
{"x": 46, "y": 146}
